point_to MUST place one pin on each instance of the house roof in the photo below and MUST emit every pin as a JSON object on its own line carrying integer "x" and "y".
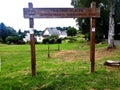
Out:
{"x": 53, "y": 31}
{"x": 63, "y": 32}
{"x": 41, "y": 33}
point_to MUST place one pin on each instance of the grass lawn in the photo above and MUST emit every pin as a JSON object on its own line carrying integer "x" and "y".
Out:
{"x": 67, "y": 69}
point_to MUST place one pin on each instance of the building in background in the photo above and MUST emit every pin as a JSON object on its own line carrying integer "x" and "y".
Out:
{"x": 46, "y": 33}
{"x": 54, "y": 31}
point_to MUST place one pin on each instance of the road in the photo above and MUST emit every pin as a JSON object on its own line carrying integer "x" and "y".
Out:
{"x": 116, "y": 42}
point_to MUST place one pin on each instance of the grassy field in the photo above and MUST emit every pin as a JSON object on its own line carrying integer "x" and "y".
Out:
{"x": 67, "y": 69}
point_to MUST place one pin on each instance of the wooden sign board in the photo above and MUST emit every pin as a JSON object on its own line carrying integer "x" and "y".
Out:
{"x": 61, "y": 13}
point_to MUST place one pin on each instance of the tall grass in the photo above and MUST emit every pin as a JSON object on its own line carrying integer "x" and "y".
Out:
{"x": 58, "y": 73}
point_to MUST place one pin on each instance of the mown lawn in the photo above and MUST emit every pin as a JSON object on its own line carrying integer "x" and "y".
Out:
{"x": 67, "y": 69}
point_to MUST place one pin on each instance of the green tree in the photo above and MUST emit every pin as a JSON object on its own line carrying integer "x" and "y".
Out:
{"x": 71, "y": 31}
{"x": 63, "y": 28}
{"x": 105, "y": 25}
{"x": 3, "y": 31}
{"x": 84, "y": 23}
{"x": 21, "y": 34}
{"x": 36, "y": 32}
{"x": 113, "y": 17}
{"x": 6, "y": 31}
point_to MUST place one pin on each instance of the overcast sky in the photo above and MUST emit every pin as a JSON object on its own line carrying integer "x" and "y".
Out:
{"x": 11, "y": 14}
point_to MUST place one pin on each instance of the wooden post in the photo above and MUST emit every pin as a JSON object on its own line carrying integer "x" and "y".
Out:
{"x": 48, "y": 51}
{"x": 58, "y": 47}
{"x": 32, "y": 44}
{"x": 92, "y": 40}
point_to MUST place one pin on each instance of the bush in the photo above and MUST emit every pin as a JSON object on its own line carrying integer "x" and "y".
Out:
{"x": 52, "y": 41}
{"x": 11, "y": 39}
{"x": 97, "y": 40}
{"x": 82, "y": 40}
{"x": 72, "y": 40}
{"x": 59, "y": 40}
{"x": 8, "y": 42}
{"x": 45, "y": 41}
{"x": 71, "y": 31}
{"x": 1, "y": 40}
{"x": 20, "y": 42}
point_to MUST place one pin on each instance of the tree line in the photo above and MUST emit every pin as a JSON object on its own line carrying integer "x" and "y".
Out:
{"x": 9, "y": 35}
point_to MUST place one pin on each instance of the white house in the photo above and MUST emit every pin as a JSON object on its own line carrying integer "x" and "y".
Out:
{"x": 39, "y": 38}
{"x": 63, "y": 34}
{"x": 54, "y": 31}
{"x": 27, "y": 37}
{"x": 47, "y": 32}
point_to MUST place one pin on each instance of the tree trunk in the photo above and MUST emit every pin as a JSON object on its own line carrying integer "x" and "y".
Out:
{"x": 111, "y": 26}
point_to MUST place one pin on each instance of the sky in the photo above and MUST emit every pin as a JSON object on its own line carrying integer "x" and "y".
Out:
{"x": 11, "y": 14}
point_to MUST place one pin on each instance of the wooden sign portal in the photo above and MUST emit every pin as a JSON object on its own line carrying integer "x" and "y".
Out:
{"x": 61, "y": 12}
{"x": 91, "y": 13}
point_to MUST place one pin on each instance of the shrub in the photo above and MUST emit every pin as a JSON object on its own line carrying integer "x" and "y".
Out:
{"x": 45, "y": 41}
{"x": 97, "y": 40}
{"x": 72, "y": 40}
{"x": 59, "y": 40}
{"x": 82, "y": 40}
{"x": 20, "y": 42}
{"x": 52, "y": 41}
{"x": 11, "y": 39}
{"x": 71, "y": 31}
{"x": 1, "y": 40}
